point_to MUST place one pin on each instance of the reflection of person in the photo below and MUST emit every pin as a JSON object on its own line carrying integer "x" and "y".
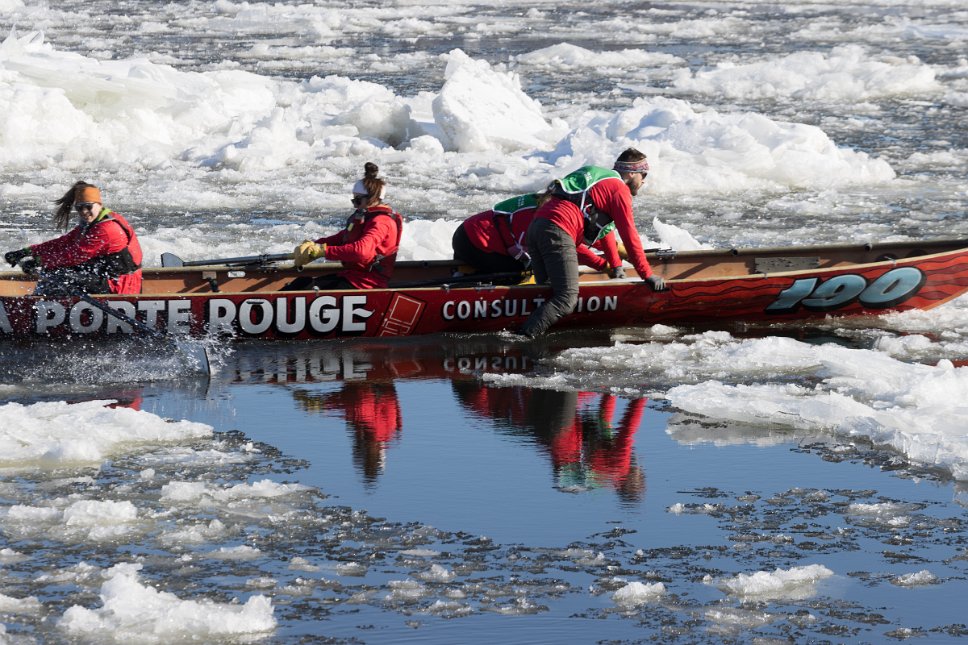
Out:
{"x": 367, "y": 247}
{"x": 494, "y": 241}
{"x": 586, "y": 449}
{"x": 592, "y": 452}
{"x": 585, "y": 206}
{"x": 372, "y": 412}
{"x": 99, "y": 255}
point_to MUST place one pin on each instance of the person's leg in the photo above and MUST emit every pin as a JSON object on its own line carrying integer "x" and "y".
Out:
{"x": 559, "y": 262}
{"x": 323, "y": 283}
{"x": 482, "y": 261}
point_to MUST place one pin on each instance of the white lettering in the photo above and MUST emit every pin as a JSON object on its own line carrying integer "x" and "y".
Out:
{"x": 353, "y": 308}
{"x": 116, "y": 325}
{"x": 179, "y": 316}
{"x": 246, "y": 323}
{"x": 151, "y": 308}
{"x": 320, "y": 319}
{"x": 298, "y": 323}
{"x": 83, "y": 311}
{"x": 221, "y": 313}
{"x": 49, "y": 314}
{"x": 448, "y": 311}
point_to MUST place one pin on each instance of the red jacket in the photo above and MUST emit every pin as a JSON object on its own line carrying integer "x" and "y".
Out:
{"x": 110, "y": 233}
{"x": 612, "y": 197}
{"x": 493, "y": 233}
{"x": 367, "y": 247}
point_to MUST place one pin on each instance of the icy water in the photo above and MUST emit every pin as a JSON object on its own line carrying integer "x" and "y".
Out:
{"x": 650, "y": 484}
{"x": 384, "y": 492}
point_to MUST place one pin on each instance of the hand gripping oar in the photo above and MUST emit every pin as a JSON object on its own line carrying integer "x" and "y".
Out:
{"x": 172, "y": 260}
{"x": 198, "y": 352}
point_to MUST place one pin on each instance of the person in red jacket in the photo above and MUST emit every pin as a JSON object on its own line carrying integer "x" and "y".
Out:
{"x": 99, "y": 255}
{"x": 494, "y": 241}
{"x": 585, "y": 206}
{"x": 367, "y": 246}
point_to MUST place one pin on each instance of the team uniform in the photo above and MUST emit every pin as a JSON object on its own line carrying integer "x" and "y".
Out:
{"x": 587, "y": 205}
{"x": 494, "y": 241}
{"x": 101, "y": 257}
{"x": 367, "y": 247}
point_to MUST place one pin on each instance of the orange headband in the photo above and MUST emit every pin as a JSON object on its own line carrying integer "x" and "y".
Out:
{"x": 88, "y": 194}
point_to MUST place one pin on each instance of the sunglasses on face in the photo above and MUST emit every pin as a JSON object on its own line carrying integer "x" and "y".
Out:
{"x": 80, "y": 207}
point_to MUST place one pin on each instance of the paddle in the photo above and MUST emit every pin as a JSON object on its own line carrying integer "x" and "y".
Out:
{"x": 196, "y": 351}
{"x": 172, "y": 260}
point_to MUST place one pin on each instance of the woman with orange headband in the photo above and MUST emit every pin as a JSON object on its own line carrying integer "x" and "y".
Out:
{"x": 99, "y": 255}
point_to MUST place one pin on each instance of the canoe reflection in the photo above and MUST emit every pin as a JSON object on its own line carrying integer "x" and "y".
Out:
{"x": 587, "y": 446}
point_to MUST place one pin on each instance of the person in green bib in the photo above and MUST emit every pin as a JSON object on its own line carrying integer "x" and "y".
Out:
{"x": 494, "y": 241}
{"x": 586, "y": 205}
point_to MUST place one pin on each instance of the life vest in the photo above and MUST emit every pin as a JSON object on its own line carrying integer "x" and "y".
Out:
{"x": 574, "y": 187}
{"x": 354, "y": 228}
{"x": 110, "y": 265}
{"x": 507, "y": 209}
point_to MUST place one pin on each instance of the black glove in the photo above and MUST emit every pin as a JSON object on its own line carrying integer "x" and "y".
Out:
{"x": 29, "y": 266}
{"x": 518, "y": 253}
{"x": 12, "y": 257}
{"x": 657, "y": 283}
{"x": 616, "y": 273}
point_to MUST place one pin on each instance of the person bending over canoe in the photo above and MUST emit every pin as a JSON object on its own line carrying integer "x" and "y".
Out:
{"x": 99, "y": 255}
{"x": 494, "y": 241}
{"x": 585, "y": 206}
{"x": 367, "y": 247}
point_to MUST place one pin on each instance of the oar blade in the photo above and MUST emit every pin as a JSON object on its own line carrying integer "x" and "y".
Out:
{"x": 196, "y": 354}
{"x": 171, "y": 260}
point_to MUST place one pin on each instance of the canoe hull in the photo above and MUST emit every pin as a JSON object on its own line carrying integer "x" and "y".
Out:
{"x": 919, "y": 282}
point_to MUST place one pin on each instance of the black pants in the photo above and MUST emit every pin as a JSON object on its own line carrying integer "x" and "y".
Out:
{"x": 554, "y": 258}
{"x": 482, "y": 261}
{"x": 323, "y": 283}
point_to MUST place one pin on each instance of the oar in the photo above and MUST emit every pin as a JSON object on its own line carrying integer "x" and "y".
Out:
{"x": 200, "y": 356}
{"x": 172, "y": 260}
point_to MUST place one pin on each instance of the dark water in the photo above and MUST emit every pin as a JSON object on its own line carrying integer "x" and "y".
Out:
{"x": 444, "y": 509}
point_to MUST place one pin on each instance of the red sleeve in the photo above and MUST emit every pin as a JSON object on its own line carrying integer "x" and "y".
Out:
{"x": 75, "y": 248}
{"x": 364, "y": 250}
{"x": 591, "y": 259}
{"x": 613, "y": 197}
{"x": 610, "y": 247}
{"x": 332, "y": 240}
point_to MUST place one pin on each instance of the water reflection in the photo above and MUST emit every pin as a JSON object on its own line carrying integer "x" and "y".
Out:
{"x": 577, "y": 431}
{"x": 588, "y": 437}
{"x": 372, "y": 413}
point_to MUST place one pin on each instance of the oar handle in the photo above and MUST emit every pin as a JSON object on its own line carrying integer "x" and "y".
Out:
{"x": 172, "y": 260}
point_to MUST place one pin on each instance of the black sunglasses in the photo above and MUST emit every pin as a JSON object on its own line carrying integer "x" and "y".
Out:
{"x": 84, "y": 206}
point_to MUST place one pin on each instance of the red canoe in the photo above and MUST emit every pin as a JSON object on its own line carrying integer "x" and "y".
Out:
{"x": 706, "y": 288}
